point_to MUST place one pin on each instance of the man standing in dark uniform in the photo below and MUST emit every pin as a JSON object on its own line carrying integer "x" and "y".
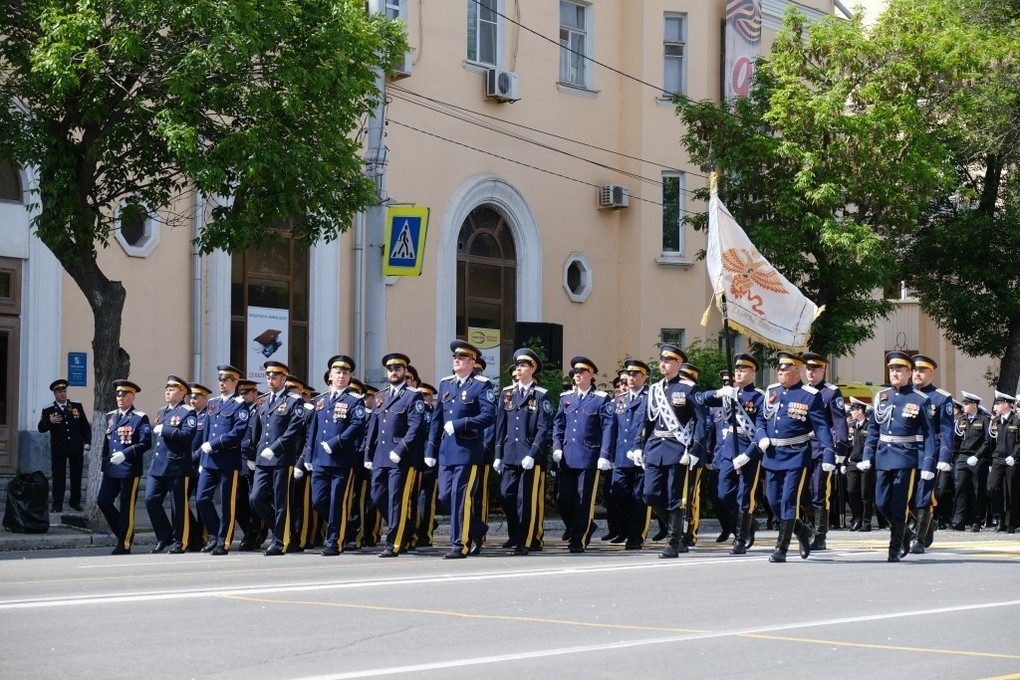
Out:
{"x": 392, "y": 446}
{"x": 429, "y": 478}
{"x": 821, "y": 482}
{"x": 466, "y": 410}
{"x": 627, "y": 479}
{"x": 942, "y": 419}
{"x": 674, "y": 444}
{"x": 128, "y": 437}
{"x": 277, "y": 432}
{"x": 860, "y": 484}
{"x": 791, "y": 412}
{"x": 1005, "y": 450}
{"x": 523, "y": 426}
{"x": 971, "y": 452}
{"x": 247, "y": 519}
{"x": 219, "y": 467}
{"x": 170, "y": 470}
{"x": 70, "y": 438}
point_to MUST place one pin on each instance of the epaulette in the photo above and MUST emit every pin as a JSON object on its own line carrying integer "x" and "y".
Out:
{"x": 881, "y": 391}
{"x": 944, "y": 392}
{"x": 449, "y": 377}
{"x": 831, "y": 386}
{"x": 309, "y": 406}
{"x": 775, "y": 384}
{"x": 239, "y": 400}
{"x": 482, "y": 378}
{"x": 810, "y": 390}
{"x": 599, "y": 393}
{"x": 540, "y": 390}
{"x": 684, "y": 381}
{"x": 508, "y": 388}
{"x": 355, "y": 395}
{"x": 289, "y": 396}
{"x": 143, "y": 414}
{"x": 917, "y": 391}
{"x": 188, "y": 407}
{"x": 112, "y": 413}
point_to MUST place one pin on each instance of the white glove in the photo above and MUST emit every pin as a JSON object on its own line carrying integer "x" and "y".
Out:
{"x": 828, "y": 467}
{"x": 201, "y": 469}
{"x": 497, "y": 465}
{"x": 88, "y": 447}
{"x": 430, "y": 462}
{"x": 972, "y": 461}
{"x": 448, "y": 427}
{"x": 308, "y": 466}
{"x": 764, "y": 444}
{"x": 727, "y": 391}
{"x": 557, "y": 455}
{"x": 842, "y": 469}
{"x": 630, "y": 455}
{"x": 741, "y": 460}
{"x": 639, "y": 458}
{"x": 604, "y": 464}
{"x": 158, "y": 430}
{"x": 206, "y": 447}
{"x": 251, "y": 465}
{"x": 117, "y": 458}
{"x": 1010, "y": 461}
{"x": 298, "y": 473}
{"x": 685, "y": 459}
{"x": 368, "y": 465}
{"x": 528, "y": 463}
{"x": 864, "y": 465}
{"x": 394, "y": 457}
{"x": 326, "y": 448}
{"x": 927, "y": 475}
{"x": 840, "y": 459}
{"x": 944, "y": 467}
{"x": 267, "y": 453}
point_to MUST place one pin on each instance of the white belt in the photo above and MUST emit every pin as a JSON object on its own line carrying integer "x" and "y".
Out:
{"x": 792, "y": 441}
{"x": 906, "y": 439}
{"x": 664, "y": 434}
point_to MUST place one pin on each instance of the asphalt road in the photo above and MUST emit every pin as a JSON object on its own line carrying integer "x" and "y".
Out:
{"x": 952, "y": 613}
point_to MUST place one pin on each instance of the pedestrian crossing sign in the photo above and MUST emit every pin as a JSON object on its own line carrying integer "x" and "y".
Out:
{"x": 404, "y": 247}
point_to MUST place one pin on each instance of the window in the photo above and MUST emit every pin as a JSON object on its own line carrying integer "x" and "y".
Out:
{"x": 577, "y": 277}
{"x": 483, "y": 31}
{"x": 672, "y": 336}
{"x": 899, "y": 292}
{"x": 673, "y": 47}
{"x": 10, "y": 183}
{"x": 396, "y": 9}
{"x": 575, "y": 44}
{"x": 673, "y": 207}
{"x": 137, "y": 230}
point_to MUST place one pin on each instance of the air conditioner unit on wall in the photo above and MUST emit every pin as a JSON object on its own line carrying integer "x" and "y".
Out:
{"x": 501, "y": 85}
{"x": 614, "y": 196}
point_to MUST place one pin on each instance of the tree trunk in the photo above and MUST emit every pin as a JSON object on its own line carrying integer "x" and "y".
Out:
{"x": 1009, "y": 370}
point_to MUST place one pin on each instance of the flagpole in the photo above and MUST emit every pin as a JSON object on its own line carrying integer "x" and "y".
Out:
{"x": 729, "y": 367}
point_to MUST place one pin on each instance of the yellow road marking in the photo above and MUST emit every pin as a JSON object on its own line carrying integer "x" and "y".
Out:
{"x": 895, "y": 648}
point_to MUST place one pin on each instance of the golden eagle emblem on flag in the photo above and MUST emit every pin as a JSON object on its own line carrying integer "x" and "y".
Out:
{"x": 749, "y": 270}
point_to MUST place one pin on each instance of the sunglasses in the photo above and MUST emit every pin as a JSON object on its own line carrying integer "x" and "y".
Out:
{"x": 462, "y": 355}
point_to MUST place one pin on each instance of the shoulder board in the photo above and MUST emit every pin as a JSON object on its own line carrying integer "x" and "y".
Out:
{"x": 810, "y": 390}
{"x": 309, "y": 406}
{"x": 141, "y": 414}
{"x": 881, "y": 391}
{"x": 775, "y": 384}
{"x": 112, "y": 413}
{"x": 188, "y": 407}
{"x": 919, "y": 392}
{"x": 355, "y": 395}
{"x": 239, "y": 400}
{"x": 943, "y": 392}
{"x": 413, "y": 389}
{"x": 289, "y": 396}
{"x": 540, "y": 390}
{"x": 508, "y": 388}
{"x": 599, "y": 393}
{"x": 687, "y": 382}
{"x": 482, "y": 378}
{"x": 831, "y": 386}
{"x": 565, "y": 395}
{"x": 449, "y": 377}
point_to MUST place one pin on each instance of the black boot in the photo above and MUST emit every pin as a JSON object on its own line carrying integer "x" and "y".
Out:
{"x": 896, "y": 541}
{"x": 909, "y": 534}
{"x": 821, "y": 528}
{"x": 804, "y": 538}
{"x": 928, "y": 535}
{"x": 782, "y": 541}
{"x": 746, "y": 526}
{"x": 672, "y": 548}
{"x": 923, "y": 522}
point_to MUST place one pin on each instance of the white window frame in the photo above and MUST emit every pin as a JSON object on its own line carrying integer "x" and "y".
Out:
{"x": 589, "y": 51}
{"x": 150, "y": 238}
{"x": 680, "y": 46}
{"x": 679, "y": 256}
{"x": 395, "y": 9}
{"x": 586, "y": 277}
{"x": 499, "y": 39}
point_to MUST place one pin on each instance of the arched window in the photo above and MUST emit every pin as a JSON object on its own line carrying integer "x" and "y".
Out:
{"x": 487, "y": 281}
{"x": 10, "y": 183}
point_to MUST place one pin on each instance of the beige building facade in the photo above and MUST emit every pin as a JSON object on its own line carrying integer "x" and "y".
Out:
{"x": 556, "y": 184}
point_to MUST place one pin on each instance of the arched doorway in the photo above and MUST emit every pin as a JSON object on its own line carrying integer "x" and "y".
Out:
{"x": 487, "y": 285}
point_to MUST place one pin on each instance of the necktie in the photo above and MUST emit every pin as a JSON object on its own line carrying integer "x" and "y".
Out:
{"x": 272, "y": 400}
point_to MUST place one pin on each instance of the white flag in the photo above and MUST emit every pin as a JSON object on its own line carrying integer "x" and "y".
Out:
{"x": 761, "y": 303}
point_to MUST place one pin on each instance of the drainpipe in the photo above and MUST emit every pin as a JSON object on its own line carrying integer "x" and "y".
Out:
{"x": 359, "y": 257}
{"x": 196, "y": 290}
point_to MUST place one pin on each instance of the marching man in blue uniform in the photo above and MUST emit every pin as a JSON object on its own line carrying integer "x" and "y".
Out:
{"x": 944, "y": 423}
{"x": 523, "y": 427}
{"x": 331, "y": 451}
{"x": 226, "y": 418}
{"x": 128, "y": 437}
{"x": 393, "y": 445}
{"x": 791, "y": 412}
{"x": 276, "y": 434}
{"x": 170, "y": 470}
{"x": 466, "y": 409}
{"x": 739, "y": 466}
{"x": 901, "y": 440}
{"x": 821, "y": 482}
{"x": 627, "y": 483}
{"x": 583, "y": 445}
{"x": 674, "y": 445}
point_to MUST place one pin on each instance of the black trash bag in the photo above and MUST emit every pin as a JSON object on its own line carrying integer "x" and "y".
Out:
{"x": 28, "y": 510}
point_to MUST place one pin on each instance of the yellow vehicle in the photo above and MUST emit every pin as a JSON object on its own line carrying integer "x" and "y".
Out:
{"x": 865, "y": 391}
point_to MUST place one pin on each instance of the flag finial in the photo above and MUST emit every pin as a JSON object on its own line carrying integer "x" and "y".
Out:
{"x": 713, "y": 181}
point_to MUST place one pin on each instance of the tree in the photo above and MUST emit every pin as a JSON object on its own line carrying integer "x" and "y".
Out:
{"x": 132, "y": 103}
{"x": 828, "y": 159}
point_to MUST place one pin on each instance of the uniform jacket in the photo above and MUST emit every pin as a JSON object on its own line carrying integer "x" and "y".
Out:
{"x": 171, "y": 449}
{"x": 858, "y": 437}
{"x": 583, "y": 428}
{"x": 279, "y": 428}
{"x": 751, "y": 400}
{"x": 970, "y": 437}
{"x": 471, "y": 408}
{"x": 523, "y": 424}
{"x": 629, "y": 415}
{"x": 901, "y": 435}
{"x": 942, "y": 417}
{"x": 131, "y": 435}
{"x": 396, "y": 426}
{"x": 226, "y": 418}
{"x": 340, "y": 422}
{"x": 788, "y": 417}
{"x": 688, "y": 404}
{"x": 1004, "y": 438}
{"x": 835, "y": 413}
{"x": 69, "y": 437}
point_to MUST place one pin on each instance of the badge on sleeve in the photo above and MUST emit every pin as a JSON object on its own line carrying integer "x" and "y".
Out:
{"x": 546, "y": 406}
{"x": 242, "y": 414}
{"x": 359, "y": 411}
{"x": 191, "y": 421}
{"x": 610, "y": 408}
{"x": 419, "y": 407}
{"x": 840, "y": 405}
{"x": 699, "y": 397}
{"x": 931, "y": 409}
{"x": 949, "y": 407}
{"x": 491, "y": 395}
